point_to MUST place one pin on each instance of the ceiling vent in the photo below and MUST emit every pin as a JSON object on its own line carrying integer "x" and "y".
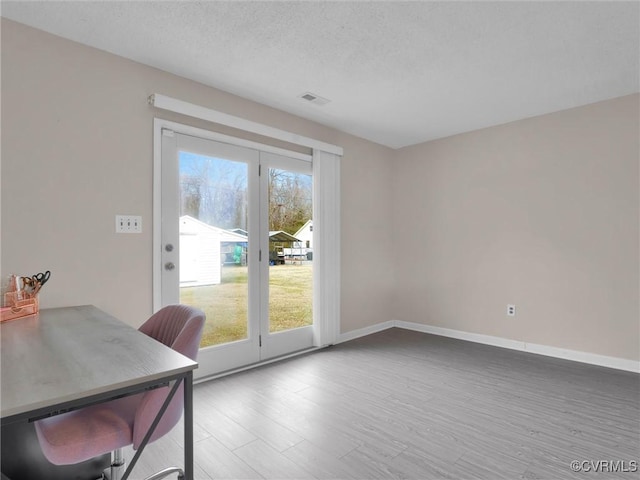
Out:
{"x": 313, "y": 98}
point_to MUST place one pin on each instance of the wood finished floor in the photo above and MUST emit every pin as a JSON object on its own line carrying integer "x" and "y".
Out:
{"x": 407, "y": 405}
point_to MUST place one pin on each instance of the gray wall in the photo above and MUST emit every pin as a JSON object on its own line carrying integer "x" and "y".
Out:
{"x": 541, "y": 213}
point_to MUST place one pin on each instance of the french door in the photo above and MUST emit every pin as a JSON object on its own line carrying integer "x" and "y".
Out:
{"x": 237, "y": 242}
{"x": 286, "y": 279}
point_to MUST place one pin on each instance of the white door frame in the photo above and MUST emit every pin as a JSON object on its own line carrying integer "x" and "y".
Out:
{"x": 326, "y": 184}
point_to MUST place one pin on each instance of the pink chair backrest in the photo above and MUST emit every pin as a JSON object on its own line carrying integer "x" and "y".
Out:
{"x": 179, "y": 327}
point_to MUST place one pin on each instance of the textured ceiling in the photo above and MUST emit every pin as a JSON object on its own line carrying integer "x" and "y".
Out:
{"x": 396, "y": 73}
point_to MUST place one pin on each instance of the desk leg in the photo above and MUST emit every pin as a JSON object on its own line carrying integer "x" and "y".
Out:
{"x": 188, "y": 426}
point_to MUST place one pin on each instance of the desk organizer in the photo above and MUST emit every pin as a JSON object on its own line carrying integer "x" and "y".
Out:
{"x": 17, "y": 305}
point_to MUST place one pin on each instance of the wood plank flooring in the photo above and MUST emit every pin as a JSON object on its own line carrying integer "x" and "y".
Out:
{"x": 406, "y": 405}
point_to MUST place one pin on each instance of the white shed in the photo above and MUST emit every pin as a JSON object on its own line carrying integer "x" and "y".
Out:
{"x": 200, "y": 251}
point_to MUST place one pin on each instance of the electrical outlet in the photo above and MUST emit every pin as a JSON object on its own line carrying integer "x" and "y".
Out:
{"x": 128, "y": 224}
{"x": 511, "y": 310}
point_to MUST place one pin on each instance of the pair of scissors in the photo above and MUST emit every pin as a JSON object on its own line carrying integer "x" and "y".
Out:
{"x": 41, "y": 278}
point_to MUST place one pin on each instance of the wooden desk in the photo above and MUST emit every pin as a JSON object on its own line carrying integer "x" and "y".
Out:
{"x": 67, "y": 358}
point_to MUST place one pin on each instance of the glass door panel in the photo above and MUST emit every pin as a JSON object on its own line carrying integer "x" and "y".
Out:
{"x": 290, "y": 250}
{"x": 286, "y": 210}
{"x": 214, "y": 244}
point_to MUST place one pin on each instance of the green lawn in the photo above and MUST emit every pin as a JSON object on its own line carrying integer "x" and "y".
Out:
{"x": 290, "y": 302}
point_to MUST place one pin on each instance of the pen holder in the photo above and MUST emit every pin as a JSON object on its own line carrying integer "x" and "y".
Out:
{"x": 18, "y": 304}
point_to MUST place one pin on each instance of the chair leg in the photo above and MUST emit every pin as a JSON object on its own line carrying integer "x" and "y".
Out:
{"x": 166, "y": 472}
{"x": 118, "y": 464}
{"x": 116, "y": 470}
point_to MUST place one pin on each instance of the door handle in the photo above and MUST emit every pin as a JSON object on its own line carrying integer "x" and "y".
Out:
{"x": 169, "y": 266}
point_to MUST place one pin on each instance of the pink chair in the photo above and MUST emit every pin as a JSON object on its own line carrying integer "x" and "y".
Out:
{"x": 107, "y": 427}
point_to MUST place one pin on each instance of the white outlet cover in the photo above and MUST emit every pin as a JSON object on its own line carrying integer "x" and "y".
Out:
{"x": 511, "y": 310}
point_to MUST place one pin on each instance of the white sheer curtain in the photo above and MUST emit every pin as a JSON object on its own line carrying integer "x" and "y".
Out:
{"x": 326, "y": 247}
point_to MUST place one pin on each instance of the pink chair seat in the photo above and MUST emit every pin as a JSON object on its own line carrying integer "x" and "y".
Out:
{"x": 82, "y": 434}
{"x": 91, "y": 431}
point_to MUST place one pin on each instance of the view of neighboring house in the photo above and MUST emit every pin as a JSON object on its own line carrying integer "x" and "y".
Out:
{"x": 303, "y": 248}
{"x": 204, "y": 249}
{"x": 305, "y": 235}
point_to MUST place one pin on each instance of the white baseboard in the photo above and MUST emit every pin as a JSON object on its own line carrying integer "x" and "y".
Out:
{"x": 361, "y": 332}
{"x": 546, "y": 350}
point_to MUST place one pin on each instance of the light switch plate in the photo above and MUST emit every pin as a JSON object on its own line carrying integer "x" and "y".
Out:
{"x": 128, "y": 224}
